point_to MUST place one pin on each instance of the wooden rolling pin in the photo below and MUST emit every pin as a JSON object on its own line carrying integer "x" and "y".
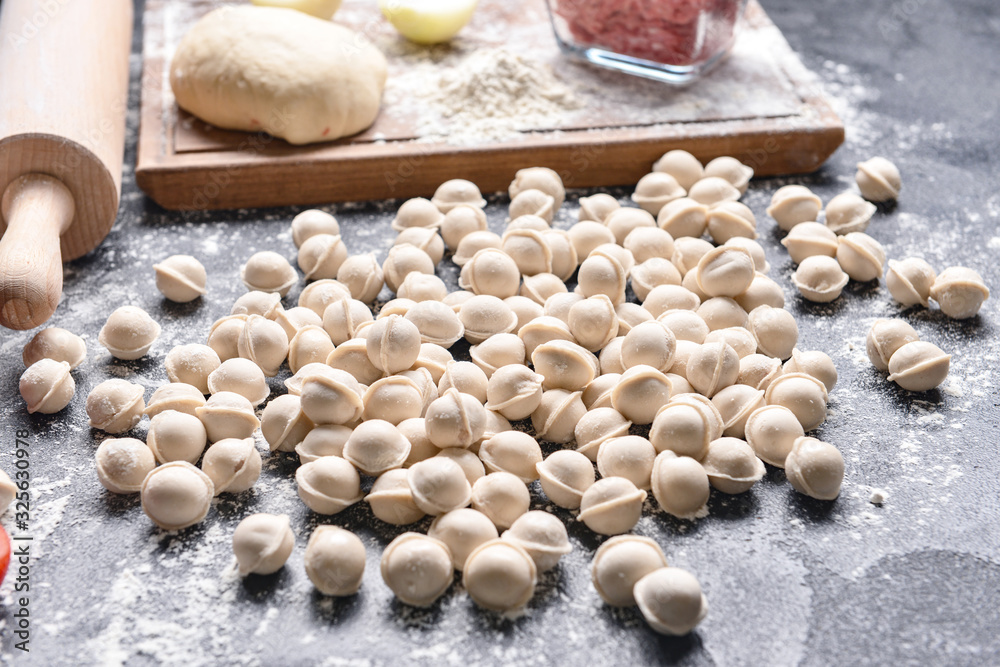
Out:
{"x": 64, "y": 81}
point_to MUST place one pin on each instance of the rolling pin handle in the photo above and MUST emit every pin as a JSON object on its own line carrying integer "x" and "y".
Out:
{"x": 37, "y": 209}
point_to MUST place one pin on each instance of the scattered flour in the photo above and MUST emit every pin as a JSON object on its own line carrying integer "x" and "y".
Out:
{"x": 46, "y": 518}
{"x": 271, "y": 614}
{"x": 491, "y": 94}
{"x": 849, "y": 96}
{"x": 179, "y": 635}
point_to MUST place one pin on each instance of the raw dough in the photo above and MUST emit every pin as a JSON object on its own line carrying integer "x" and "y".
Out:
{"x": 321, "y": 9}
{"x": 278, "y": 71}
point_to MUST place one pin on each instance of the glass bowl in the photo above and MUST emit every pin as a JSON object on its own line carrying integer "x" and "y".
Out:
{"x": 675, "y": 41}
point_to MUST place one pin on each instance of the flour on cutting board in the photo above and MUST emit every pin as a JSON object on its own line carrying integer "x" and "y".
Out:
{"x": 492, "y": 94}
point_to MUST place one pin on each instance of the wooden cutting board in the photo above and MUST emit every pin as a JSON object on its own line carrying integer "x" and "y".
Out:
{"x": 761, "y": 105}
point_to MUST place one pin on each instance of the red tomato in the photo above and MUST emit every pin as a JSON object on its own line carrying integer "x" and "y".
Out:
{"x": 4, "y": 553}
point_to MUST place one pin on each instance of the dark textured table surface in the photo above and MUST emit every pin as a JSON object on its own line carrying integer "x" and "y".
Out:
{"x": 789, "y": 580}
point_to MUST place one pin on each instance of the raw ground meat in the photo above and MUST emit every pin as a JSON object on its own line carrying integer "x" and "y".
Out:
{"x": 674, "y": 32}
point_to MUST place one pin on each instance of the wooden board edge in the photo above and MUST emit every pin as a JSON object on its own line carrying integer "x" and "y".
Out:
{"x": 194, "y": 186}
{"x": 152, "y": 141}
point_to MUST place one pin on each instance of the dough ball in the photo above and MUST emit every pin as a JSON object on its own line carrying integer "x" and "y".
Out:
{"x": 391, "y": 500}
{"x": 732, "y": 170}
{"x": 279, "y": 71}
{"x": 321, "y": 9}
{"x": 462, "y": 531}
{"x": 539, "y": 178}
{"x": 815, "y": 468}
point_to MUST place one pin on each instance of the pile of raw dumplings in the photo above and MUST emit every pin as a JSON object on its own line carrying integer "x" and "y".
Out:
{"x": 832, "y": 252}
{"x": 705, "y": 356}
